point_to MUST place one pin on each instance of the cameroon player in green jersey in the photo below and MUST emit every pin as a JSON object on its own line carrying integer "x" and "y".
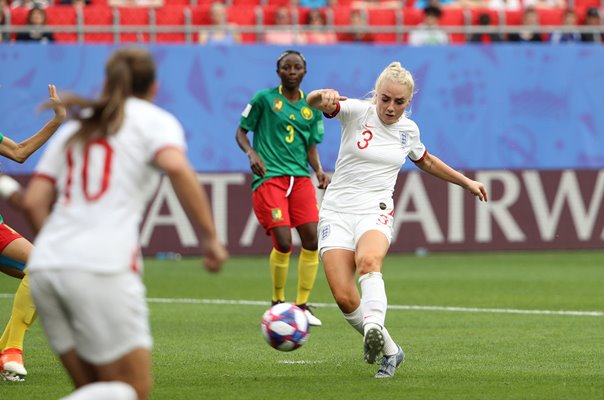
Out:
{"x": 286, "y": 133}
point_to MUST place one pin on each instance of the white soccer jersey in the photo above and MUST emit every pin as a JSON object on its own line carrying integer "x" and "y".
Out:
{"x": 102, "y": 190}
{"x": 369, "y": 160}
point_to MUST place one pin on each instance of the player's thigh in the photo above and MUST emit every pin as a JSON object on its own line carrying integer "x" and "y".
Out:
{"x": 303, "y": 206}
{"x": 271, "y": 205}
{"x": 373, "y": 234}
{"x": 13, "y": 245}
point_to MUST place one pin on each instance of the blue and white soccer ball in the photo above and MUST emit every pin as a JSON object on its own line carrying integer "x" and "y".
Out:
{"x": 285, "y": 327}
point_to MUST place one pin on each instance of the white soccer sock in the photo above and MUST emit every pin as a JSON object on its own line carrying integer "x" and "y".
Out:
{"x": 373, "y": 299}
{"x": 104, "y": 391}
{"x": 355, "y": 319}
{"x": 390, "y": 347}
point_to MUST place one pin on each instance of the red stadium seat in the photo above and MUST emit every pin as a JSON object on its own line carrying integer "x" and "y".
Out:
{"x": 454, "y": 17}
{"x": 133, "y": 16}
{"x": 385, "y": 18}
{"x": 277, "y": 2}
{"x": 551, "y": 16}
{"x": 237, "y": 3}
{"x": 200, "y": 15}
{"x": 244, "y": 16}
{"x": 411, "y": 17}
{"x": 513, "y": 18}
{"x": 18, "y": 16}
{"x": 97, "y": 16}
{"x": 173, "y": 15}
{"x": 339, "y": 17}
{"x": 63, "y": 15}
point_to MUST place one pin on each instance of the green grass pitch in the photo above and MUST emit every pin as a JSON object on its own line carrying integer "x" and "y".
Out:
{"x": 466, "y": 339}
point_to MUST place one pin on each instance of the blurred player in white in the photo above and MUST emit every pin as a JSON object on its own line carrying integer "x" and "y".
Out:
{"x": 15, "y": 249}
{"x": 88, "y": 195}
{"x": 355, "y": 222}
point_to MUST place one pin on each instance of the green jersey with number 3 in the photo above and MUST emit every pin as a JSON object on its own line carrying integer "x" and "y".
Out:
{"x": 283, "y": 131}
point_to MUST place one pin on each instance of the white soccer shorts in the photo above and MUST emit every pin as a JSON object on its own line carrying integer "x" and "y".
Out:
{"x": 102, "y": 316}
{"x": 338, "y": 230}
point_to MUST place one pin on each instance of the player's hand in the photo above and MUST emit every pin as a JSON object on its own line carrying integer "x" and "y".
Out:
{"x": 257, "y": 164}
{"x": 478, "y": 190}
{"x": 215, "y": 255}
{"x": 56, "y": 103}
{"x": 323, "y": 179}
{"x": 331, "y": 97}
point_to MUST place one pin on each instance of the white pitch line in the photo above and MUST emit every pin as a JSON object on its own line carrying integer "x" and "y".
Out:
{"x": 391, "y": 307}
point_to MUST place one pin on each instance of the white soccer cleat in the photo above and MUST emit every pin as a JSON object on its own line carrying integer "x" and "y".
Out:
{"x": 390, "y": 364}
{"x": 312, "y": 320}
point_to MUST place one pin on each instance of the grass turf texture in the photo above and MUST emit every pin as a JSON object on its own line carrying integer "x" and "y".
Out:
{"x": 215, "y": 351}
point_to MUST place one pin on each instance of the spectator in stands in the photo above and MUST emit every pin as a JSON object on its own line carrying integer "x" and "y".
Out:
{"x": 358, "y": 29}
{"x": 30, "y": 3}
{"x": 485, "y": 37}
{"x": 315, "y": 3}
{"x": 568, "y": 35}
{"x": 220, "y": 31}
{"x": 76, "y": 3}
{"x": 422, "y": 4}
{"x": 36, "y": 22}
{"x": 316, "y": 29}
{"x": 528, "y": 31}
{"x": 544, "y": 3}
{"x": 135, "y": 3}
{"x": 428, "y": 32}
{"x": 504, "y": 5}
{"x": 282, "y": 32}
{"x": 592, "y": 18}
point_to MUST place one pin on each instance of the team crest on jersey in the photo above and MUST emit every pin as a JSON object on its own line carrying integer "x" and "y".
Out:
{"x": 306, "y": 113}
{"x": 277, "y": 105}
{"x": 325, "y": 231}
{"x": 403, "y": 137}
{"x": 277, "y": 214}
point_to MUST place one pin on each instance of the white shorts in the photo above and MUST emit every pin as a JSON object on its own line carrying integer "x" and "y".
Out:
{"x": 102, "y": 317}
{"x": 339, "y": 230}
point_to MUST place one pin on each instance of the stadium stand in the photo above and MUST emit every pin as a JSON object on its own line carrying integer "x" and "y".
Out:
{"x": 179, "y": 21}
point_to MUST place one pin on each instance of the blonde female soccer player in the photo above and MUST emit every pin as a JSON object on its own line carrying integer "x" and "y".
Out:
{"x": 88, "y": 195}
{"x": 355, "y": 222}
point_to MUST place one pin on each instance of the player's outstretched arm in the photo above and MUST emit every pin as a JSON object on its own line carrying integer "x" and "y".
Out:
{"x": 20, "y": 152}
{"x": 438, "y": 168}
{"x": 195, "y": 201}
{"x": 325, "y": 100}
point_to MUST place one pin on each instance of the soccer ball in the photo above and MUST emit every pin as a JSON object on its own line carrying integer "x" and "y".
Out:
{"x": 285, "y": 327}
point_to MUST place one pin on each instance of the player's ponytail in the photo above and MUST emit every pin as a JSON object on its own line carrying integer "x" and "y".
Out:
{"x": 128, "y": 72}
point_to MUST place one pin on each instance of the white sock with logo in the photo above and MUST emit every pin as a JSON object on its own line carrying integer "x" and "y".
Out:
{"x": 373, "y": 299}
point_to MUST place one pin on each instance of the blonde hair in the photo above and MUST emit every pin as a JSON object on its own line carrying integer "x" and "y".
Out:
{"x": 394, "y": 72}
